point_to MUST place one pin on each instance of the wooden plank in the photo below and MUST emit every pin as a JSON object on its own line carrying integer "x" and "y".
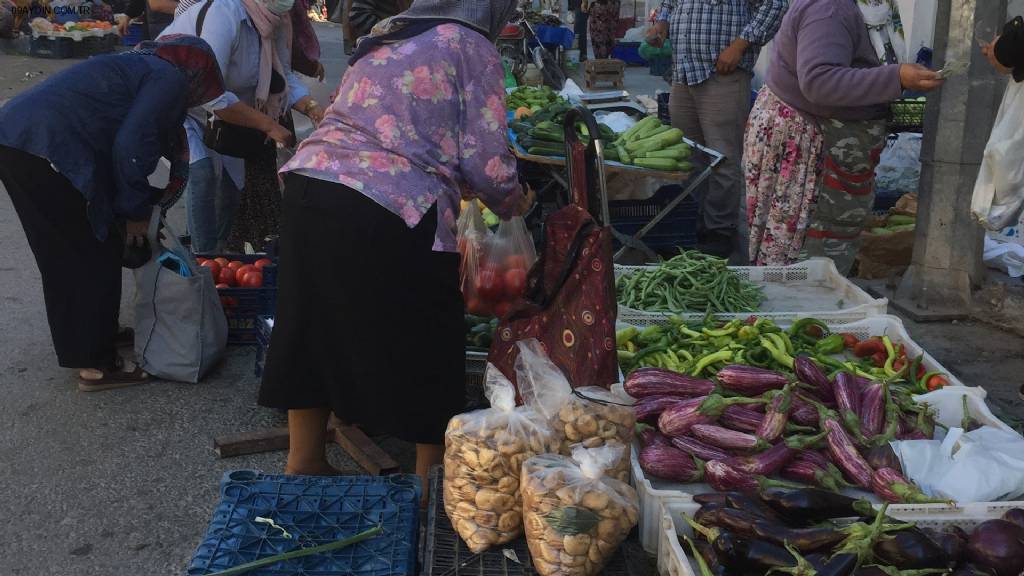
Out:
{"x": 270, "y": 440}
{"x": 364, "y": 451}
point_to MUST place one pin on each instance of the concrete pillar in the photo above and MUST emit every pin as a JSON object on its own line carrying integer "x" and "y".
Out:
{"x": 948, "y": 244}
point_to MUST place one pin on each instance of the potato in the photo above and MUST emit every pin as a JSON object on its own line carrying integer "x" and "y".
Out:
{"x": 509, "y": 521}
{"x": 577, "y": 544}
{"x": 486, "y": 519}
{"x": 595, "y": 501}
{"x": 508, "y": 485}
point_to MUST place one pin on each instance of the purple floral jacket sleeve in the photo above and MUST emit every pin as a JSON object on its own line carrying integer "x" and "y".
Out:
{"x": 416, "y": 123}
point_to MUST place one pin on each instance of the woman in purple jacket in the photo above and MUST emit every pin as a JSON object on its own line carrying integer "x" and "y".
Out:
{"x": 816, "y": 133}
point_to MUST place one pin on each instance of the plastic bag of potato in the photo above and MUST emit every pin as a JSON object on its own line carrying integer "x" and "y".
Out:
{"x": 575, "y": 516}
{"x": 483, "y": 459}
{"x": 591, "y": 416}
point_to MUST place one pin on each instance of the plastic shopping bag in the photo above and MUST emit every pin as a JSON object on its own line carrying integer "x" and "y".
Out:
{"x": 484, "y": 454}
{"x": 591, "y": 416}
{"x": 999, "y": 190}
{"x": 575, "y": 517}
{"x": 472, "y": 235}
{"x": 508, "y": 257}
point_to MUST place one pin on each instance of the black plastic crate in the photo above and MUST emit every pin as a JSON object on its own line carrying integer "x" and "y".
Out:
{"x": 663, "y": 113}
{"x": 445, "y": 554}
{"x": 94, "y": 45}
{"x": 243, "y": 306}
{"x": 677, "y": 229}
{"x": 51, "y": 47}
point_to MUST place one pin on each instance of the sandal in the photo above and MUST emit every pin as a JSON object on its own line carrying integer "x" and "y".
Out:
{"x": 118, "y": 377}
{"x": 125, "y": 337}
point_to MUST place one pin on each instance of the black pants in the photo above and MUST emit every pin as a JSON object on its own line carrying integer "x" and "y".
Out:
{"x": 580, "y": 29}
{"x": 81, "y": 275}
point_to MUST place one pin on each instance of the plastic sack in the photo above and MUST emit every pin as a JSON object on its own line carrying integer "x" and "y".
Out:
{"x": 899, "y": 168}
{"x": 507, "y": 260}
{"x": 483, "y": 458}
{"x": 650, "y": 52}
{"x": 1005, "y": 256}
{"x": 948, "y": 405}
{"x": 472, "y": 235}
{"x": 575, "y": 517}
{"x": 999, "y": 190}
{"x": 619, "y": 122}
{"x": 591, "y": 416}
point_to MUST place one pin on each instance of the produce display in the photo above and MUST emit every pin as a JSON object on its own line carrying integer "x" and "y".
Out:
{"x": 690, "y": 282}
{"x": 527, "y": 100}
{"x": 809, "y": 532}
{"x": 895, "y": 223}
{"x": 651, "y": 144}
{"x": 235, "y": 273}
{"x": 541, "y": 131}
{"x": 44, "y": 26}
{"x": 575, "y": 518}
{"x": 594, "y": 417}
{"x": 736, "y": 405}
{"x": 480, "y": 332}
{"x": 484, "y": 454}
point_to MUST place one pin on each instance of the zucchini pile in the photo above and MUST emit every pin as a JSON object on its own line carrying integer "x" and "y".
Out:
{"x": 541, "y": 133}
{"x": 653, "y": 145}
{"x": 533, "y": 99}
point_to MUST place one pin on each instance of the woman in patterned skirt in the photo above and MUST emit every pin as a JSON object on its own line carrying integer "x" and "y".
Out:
{"x": 604, "y": 21}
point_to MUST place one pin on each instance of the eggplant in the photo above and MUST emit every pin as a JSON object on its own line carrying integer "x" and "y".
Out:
{"x": 803, "y": 539}
{"x": 812, "y": 505}
{"x": 707, "y": 553}
{"x": 766, "y": 463}
{"x": 872, "y": 570}
{"x": 848, "y": 396}
{"x": 845, "y": 454}
{"x": 670, "y": 463}
{"x": 971, "y": 570}
{"x": 883, "y": 457}
{"x": 750, "y": 380}
{"x": 1015, "y": 515}
{"x": 750, "y": 555}
{"x": 711, "y": 498}
{"x": 891, "y": 486}
{"x": 776, "y": 415}
{"x": 952, "y": 540}
{"x": 872, "y": 409}
{"x": 724, "y": 478}
{"x": 740, "y": 418}
{"x": 650, "y": 436}
{"x": 648, "y": 409}
{"x": 910, "y": 549}
{"x": 727, "y": 439}
{"x": 707, "y": 511}
{"x": 646, "y": 382}
{"x": 677, "y": 419}
{"x": 998, "y": 546}
{"x": 808, "y": 372}
{"x": 698, "y": 555}
{"x": 699, "y": 449}
{"x": 812, "y": 468}
{"x": 752, "y": 504}
{"x": 804, "y": 413}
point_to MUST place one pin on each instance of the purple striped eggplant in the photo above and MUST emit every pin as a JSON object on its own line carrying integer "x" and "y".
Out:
{"x": 776, "y": 414}
{"x": 750, "y": 380}
{"x": 848, "y": 402}
{"x": 872, "y": 409}
{"x": 810, "y": 467}
{"x": 891, "y": 486}
{"x": 883, "y": 457}
{"x": 765, "y": 463}
{"x": 650, "y": 436}
{"x": 677, "y": 419}
{"x": 740, "y": 418}
{"x": 669, "y": 463}
{"x": 727, "y": 439}
{"x": 808, "y": 372}
{"x": 648, "y": 409}
{"x": 804, "y": 413}
{"x": 725, "y": 478}
{"x": 844, "y": 453}
{"x": 699, "y": 449}
{"x": 645, "y": 382}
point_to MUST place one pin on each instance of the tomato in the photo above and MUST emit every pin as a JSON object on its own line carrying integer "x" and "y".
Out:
{"x": 879, "y": 358}
{"x": 899, "y": 364}
{"x": 937, "y": 381}
{"x": 849, "y": 340}
{"x": 200, "y": 261}
{"x": 259, "y": 264}
{"x": 241, "y": 272}
{"x": 214, "y": 268}
{"x": 489, "y": 283}
{"x": 221, "y": 286}
{"x": 515, "y": 282}
{"x": 222, "y": 261}
{"x": 252, "y": 279}
{"x": 869, "y": 347}
{"x": 227, "y": 276}
{"x": 501, "y": 309}
{"x": 235, "y": 264}
{"x": 515, "y": 261}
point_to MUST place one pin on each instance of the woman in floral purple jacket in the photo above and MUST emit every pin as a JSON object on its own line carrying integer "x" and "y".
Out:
{"x": 370, "y": 316}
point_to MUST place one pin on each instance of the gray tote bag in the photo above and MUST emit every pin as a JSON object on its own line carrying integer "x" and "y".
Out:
{"x": 180, "y": 327}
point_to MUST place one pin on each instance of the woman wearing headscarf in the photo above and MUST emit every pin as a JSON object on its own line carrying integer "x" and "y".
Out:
{"x": 370, "y": 316}
{"x": 75, "y": 155}
{"x": 816, "y": 132}
{"x": 604, "y": 23}
{"x": 252, "y": 40}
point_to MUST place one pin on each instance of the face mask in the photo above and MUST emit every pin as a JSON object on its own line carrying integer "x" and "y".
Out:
{"x": 280, "y": 7}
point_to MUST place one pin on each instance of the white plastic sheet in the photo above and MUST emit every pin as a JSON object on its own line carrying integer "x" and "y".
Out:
{"x": 1005, "y": 256}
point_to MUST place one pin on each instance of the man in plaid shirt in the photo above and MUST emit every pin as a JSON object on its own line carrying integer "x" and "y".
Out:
{"x": 715, "y": 44}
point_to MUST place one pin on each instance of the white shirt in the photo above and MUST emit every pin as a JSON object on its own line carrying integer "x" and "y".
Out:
{"x": 236, "y": 44}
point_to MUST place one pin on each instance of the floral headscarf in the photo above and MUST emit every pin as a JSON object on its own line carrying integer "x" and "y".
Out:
{"x": 195, "y": 59}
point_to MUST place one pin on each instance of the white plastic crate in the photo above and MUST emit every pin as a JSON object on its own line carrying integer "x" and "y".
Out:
{"x": 674, "y": 559}
{"x": 813, "y": 288}
{"x": 651, "y": 501}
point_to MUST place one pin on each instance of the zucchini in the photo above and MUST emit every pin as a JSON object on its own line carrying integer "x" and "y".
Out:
{"x": 664, "y": 164}
{"x": 620, "y": 150}
{"x": 673, "y": 153}
{"x": 900, "y": 220}
{"x": 662, "y": 140}
{"x": 546, "y": 151}
{"x": 611, "y": 154}
{"x": 653, "y": 132}
{"x": 647, "y": 122}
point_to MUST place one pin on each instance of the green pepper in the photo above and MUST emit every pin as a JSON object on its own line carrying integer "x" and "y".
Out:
{"x": 800, "y": 330}
{"x": 685, "y": 331}
{"x": 748, "y": 333}
{"x": 759, "y": 356}
{"x": 777, "y": 351}
{"x": 830, "y": 362}
{"x": 625, "y": 335}
{"x": 721, "y": 342}
{"x": 833, "y": 344}
{"x": 726, "y": 330}
{"x": 765, "y": 326}
{"x": 720, "y": 356}
{"x": 651, "y": 334}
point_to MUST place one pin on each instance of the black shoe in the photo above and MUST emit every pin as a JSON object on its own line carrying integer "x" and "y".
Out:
{"x": 716, "y": 243}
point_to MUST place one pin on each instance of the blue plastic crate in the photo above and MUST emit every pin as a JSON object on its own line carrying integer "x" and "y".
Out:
{"x": 315, "y": 510}
{"x": 677, "y": 229}
{"x": 263, "y": 329}
{"x": 136, "y": 34}
{"x": 629, "y": 52}
{"x": 243, "y": 306}
{"x": 555, "y": 35}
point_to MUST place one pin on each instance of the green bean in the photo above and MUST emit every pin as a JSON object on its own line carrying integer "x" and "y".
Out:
{"x": 688, "y": 282}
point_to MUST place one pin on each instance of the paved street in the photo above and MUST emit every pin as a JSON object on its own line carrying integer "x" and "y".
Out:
{"x": 124, "y": 482}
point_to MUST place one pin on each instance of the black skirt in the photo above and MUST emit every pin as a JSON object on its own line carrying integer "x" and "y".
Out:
{"x": 369, "y": 318}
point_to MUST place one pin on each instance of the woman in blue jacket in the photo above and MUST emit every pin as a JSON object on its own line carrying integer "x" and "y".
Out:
{"x": 75, "y": 155}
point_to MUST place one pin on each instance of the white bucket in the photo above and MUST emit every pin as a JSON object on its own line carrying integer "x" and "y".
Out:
{"x": 572, "y": 58}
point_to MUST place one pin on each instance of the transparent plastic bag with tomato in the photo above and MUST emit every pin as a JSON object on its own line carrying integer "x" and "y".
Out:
{"x": 473, "y": 237}
{"x": 507, "y": 261}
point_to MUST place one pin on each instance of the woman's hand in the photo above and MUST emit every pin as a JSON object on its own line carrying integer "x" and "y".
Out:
{"x": 919, "y": 78}
{"x": 122, "y": 24}
{"x": 320, "y": 74}
{"x": 281, "y": 135}
{"x": 311, "y": 109}
{"x": 526, "y": 202}
{"x": 135, "y": 232}
{"x": 989, "y": 50}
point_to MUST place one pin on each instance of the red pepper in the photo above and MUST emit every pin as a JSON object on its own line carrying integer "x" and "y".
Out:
{"x": 849, "y": 340}
{"x": 869, "y": 347}
{"x": 936, "y": 382}
{"x": 920, "y": 371}
{"x": 901, "y": 353}
{"x": 879, "y": 358}
{"x": 899, "y": 363}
